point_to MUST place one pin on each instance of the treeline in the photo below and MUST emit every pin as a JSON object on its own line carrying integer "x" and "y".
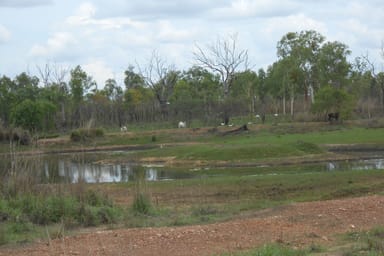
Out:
{"x": 311, "y": 77}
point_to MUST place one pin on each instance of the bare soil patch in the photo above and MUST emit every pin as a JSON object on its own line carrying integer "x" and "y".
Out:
{"x": 298, "y": 225}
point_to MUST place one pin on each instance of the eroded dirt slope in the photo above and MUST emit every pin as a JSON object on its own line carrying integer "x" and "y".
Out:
{"x": 298, "y": 225}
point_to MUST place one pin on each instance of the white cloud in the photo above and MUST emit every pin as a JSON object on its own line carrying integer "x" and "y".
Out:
{"x": 5, "y": 35}
{"x": 85, "y": 16}
{"x": 251, "y": 8}
{"x": 82, "y": 15}
{"x": 112, "y": 34}
{"x": 57, "y": 44}
{"x": 155, "y": 9}
{"x": 167, "y": 32}
{"x": 293, "y": 23}
{"x": 360, "y": 35}
{"x": 24, "y": 3}
{"x": 99, "y": 71}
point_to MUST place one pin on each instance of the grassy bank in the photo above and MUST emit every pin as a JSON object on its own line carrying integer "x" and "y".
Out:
{"x": 356, "y": 243}
{"x": 218, "y": 198}
{"x": 29, "y": 210}
{"x": 256, "y": 146}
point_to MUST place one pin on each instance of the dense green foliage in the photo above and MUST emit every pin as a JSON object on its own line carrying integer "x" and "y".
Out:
{"x": 330, "y": 99}
{"x": 309, "y": 74}
{"x": 83, "y": 135}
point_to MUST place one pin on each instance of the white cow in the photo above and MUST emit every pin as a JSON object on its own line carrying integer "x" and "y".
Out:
{"x": 182, "y": 124}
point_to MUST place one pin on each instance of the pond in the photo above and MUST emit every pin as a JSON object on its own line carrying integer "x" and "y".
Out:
{"x": 90, "y": 168}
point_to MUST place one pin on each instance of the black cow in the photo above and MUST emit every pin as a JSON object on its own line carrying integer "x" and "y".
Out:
{"x": 333, "y": 116}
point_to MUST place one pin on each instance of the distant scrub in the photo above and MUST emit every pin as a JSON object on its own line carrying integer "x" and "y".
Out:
{"x": 18, "y": 135}
{"x": 86, "y": 134}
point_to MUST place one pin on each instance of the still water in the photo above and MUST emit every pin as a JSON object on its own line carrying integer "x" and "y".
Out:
{"x": 91, "y": 168}
{"x": 70, "y": 170}
{"x": 73, "y": 172}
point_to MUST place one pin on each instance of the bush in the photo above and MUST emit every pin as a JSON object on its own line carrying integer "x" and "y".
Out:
{"x": 375, "y": 241}
{"x": 308, "y": 147}
{"x": 87, "y": 216}
{"x": 82, "y": 135}
{"x": 141, "y": 204}
{"x": 18, "y": 135}
{"x": 94, "y": 198}
{"x": 107, "y": 215}
{"x": 51, "y": 210}
{"x": 54, "y": 209}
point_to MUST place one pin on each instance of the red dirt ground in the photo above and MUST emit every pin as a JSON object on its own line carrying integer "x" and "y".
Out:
{"x": 298, "y": 225}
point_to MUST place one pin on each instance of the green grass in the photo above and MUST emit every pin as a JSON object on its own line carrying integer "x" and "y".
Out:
{"x": 207, "y": 200}
{"x": 24, "y": 216}
{"x": 270, "y": 250}
{"x": 219, "y": 194}
{"x": 365, "y": 243}
{"x": 265, "y": 145}
{"x": 236, "y": 151}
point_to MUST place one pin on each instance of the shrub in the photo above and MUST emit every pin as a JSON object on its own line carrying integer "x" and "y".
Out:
{"x": 82, "y": 135}
{"x": 50, "y": 210}
{"x": 76, "y": 136}
{"x": 308, "y": 147}
{"x": 141, "y": 204}
{"x": 94, "y": 198}
{"x": 56, "y": 208}
{"x": 18, "y": 135}
{"x": 375, "y": 241}
{"x": 107, "y": 215}
{"x": 87, "y": 216}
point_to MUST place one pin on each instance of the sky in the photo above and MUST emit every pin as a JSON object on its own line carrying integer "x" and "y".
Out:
{"x": 105, "y": 37}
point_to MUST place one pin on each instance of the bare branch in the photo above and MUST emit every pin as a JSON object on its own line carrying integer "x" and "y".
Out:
{"x": 370, "y": 64}
{"x": 161, "y": 78}
{"x": 59, "y": 74}
{"x": 52, "y": 74}
{"x": 223, "y": 58}
{"x": 45, "y": 74}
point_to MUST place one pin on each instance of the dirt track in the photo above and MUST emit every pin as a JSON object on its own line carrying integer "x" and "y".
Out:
{"x": 298, "y": 225}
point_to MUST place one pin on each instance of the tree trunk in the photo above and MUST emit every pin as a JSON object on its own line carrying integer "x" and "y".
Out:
{"x": 63, "y": 119}
{"x": 382, "y": 98}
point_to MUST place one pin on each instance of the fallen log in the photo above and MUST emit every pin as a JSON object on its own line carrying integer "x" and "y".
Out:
{"x": 241, "y": 129}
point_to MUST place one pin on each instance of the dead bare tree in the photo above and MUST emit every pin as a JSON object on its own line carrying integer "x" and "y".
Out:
{"x": 377, "y": 76}
{"x": 223, "y": 58}
{"x": 382, "y": 49}
{"x": 55, "y": 76}
{"x": 52, "y": 74}
{"x": 161, "y": 78}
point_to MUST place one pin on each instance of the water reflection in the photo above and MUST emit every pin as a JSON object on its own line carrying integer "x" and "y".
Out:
{"x": 367, "y": 164}
{"x": 90, "y": 169}
{"x": 73, "y": 172}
